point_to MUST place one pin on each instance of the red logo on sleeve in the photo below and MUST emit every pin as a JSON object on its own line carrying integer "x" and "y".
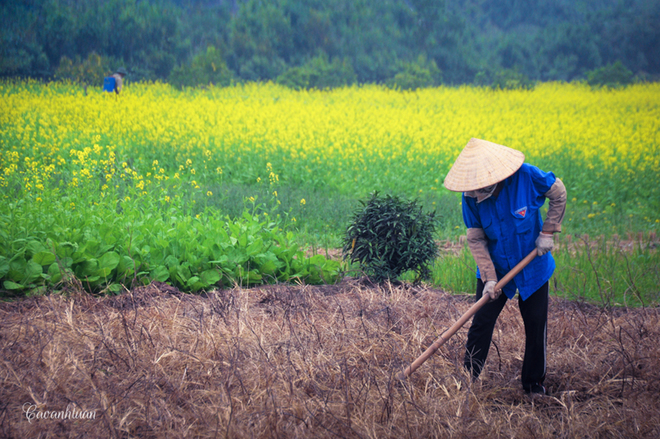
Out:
{"x": 520, "y": 213}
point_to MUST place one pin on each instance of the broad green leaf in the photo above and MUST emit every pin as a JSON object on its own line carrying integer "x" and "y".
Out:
{"x": 33, "y": 272}
{"x": 317, "y": 260}
{"x": 4, "y": 266}
{"x": 253, "y": 277}
{"x": 86, "y": 268}
{"x": 237, "y": 256}
{"x": 126, "y": 267}
{"x": 243, "y": 240}
{"x": 44, "y": 258}
{"x": 255, "y": 247}
{"x": 209, "y": 277}
{"x": 17, "y": 269}
{"x": 107, "y": 263}
{"x": 34, "y": 247}
{"x": 55, "y": 273}
{"x": 115, "y": 288}
{"x": 268, "y": 267}
{"x": 171, "y": 261}
{"x": 66, "y": 249}
{"x": 9, "y": 285}
{"x": 160, "y": 273}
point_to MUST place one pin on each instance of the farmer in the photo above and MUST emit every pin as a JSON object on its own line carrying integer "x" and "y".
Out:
{"x": 502, "y": 198}
{"x": 115, "y": 81}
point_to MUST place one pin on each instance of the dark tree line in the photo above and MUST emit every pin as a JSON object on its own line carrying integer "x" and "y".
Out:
{"x": 329, "y": 42}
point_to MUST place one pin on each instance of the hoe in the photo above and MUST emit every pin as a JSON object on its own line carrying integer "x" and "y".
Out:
{"x": 464, "y": 318}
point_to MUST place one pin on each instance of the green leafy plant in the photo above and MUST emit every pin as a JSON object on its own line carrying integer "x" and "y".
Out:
{"x": 612, "y": 75}
{"x": 89, "y": 71}
{"x": 511, "y": 79}
{"x": 389, "y": 236}
{"x": 206, "y": 68}
{"x": 319, "y": 73}
{"x": 418, "y": 74}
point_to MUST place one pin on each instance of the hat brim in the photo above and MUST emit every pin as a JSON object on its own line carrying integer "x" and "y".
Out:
{"x": 481, "y": 164}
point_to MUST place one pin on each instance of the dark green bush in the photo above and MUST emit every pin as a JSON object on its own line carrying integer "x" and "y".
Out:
{"x": 418, "y": 74}
{"x": 612, "y": 75}
{"x": 319, "y": 73}
{"x": 89, "y": 71}
{"x": 511, "y": 79}
{"x": 206, "y": 68}
{"x": 261, "y": 68}
{"x": 389, "y": 236}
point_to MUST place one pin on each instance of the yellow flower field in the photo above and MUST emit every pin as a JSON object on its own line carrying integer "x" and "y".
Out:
{"x": 353, "y": 139}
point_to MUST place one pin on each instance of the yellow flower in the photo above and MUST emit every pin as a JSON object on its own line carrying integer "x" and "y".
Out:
{"x": 209, "y": 193}
{"x": 303, "y": 202}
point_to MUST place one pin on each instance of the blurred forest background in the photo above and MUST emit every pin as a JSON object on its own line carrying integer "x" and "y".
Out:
{"x": 315, "y": 43}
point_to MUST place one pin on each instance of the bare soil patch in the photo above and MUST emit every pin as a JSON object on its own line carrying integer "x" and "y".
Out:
{"x": 316, "y": 361}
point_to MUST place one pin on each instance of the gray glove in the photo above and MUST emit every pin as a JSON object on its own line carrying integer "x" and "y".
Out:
{"x": 489, "y": 289}
{"x": 544, "y": 243}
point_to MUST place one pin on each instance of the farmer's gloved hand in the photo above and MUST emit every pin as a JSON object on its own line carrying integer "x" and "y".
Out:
{"x": 544, "y": 243}
{"x": 489, "y": 289}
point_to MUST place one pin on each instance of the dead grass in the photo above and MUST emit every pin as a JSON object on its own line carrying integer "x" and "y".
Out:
{"x": 302, "y": 361}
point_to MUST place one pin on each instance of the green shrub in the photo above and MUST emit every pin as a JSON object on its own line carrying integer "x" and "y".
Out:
{"x": 511, "y": 79}
{"x": 319, "y": 73}
{"x": 206, "y": 68}
{"x": 389, "y": 236}
{"x": 418, "y": 74}
{"x": 89, "y": 71}
{"x": 261, "y": 68}
{"x": 612, "y": 75}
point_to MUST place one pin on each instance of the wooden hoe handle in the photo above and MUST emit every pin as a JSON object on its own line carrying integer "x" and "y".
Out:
{"x": 464, "y": 318}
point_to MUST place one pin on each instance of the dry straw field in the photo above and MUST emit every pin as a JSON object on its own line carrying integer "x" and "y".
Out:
{"x": 302, "y": 361}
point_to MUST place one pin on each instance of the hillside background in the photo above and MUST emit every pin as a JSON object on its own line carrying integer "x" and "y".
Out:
{"x": 306, "y": 43}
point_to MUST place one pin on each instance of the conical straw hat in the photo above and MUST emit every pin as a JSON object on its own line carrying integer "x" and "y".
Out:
{"x": 482, "y": 163}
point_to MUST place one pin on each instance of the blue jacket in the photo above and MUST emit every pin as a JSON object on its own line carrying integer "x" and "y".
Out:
{"x": 512, "y": 222}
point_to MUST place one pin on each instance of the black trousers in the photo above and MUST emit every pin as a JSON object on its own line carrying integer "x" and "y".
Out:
{"x": 534, "y": 312}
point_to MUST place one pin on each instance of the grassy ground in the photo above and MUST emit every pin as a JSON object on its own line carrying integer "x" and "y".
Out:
{"x": 606, "y": 260}
{"x": 611, "y": 272}
{"x": 301, "y": 361}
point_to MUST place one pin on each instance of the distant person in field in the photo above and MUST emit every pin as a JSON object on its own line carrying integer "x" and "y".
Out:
{"x": 501, "y": 202}
{"x": 115, "y": 82}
